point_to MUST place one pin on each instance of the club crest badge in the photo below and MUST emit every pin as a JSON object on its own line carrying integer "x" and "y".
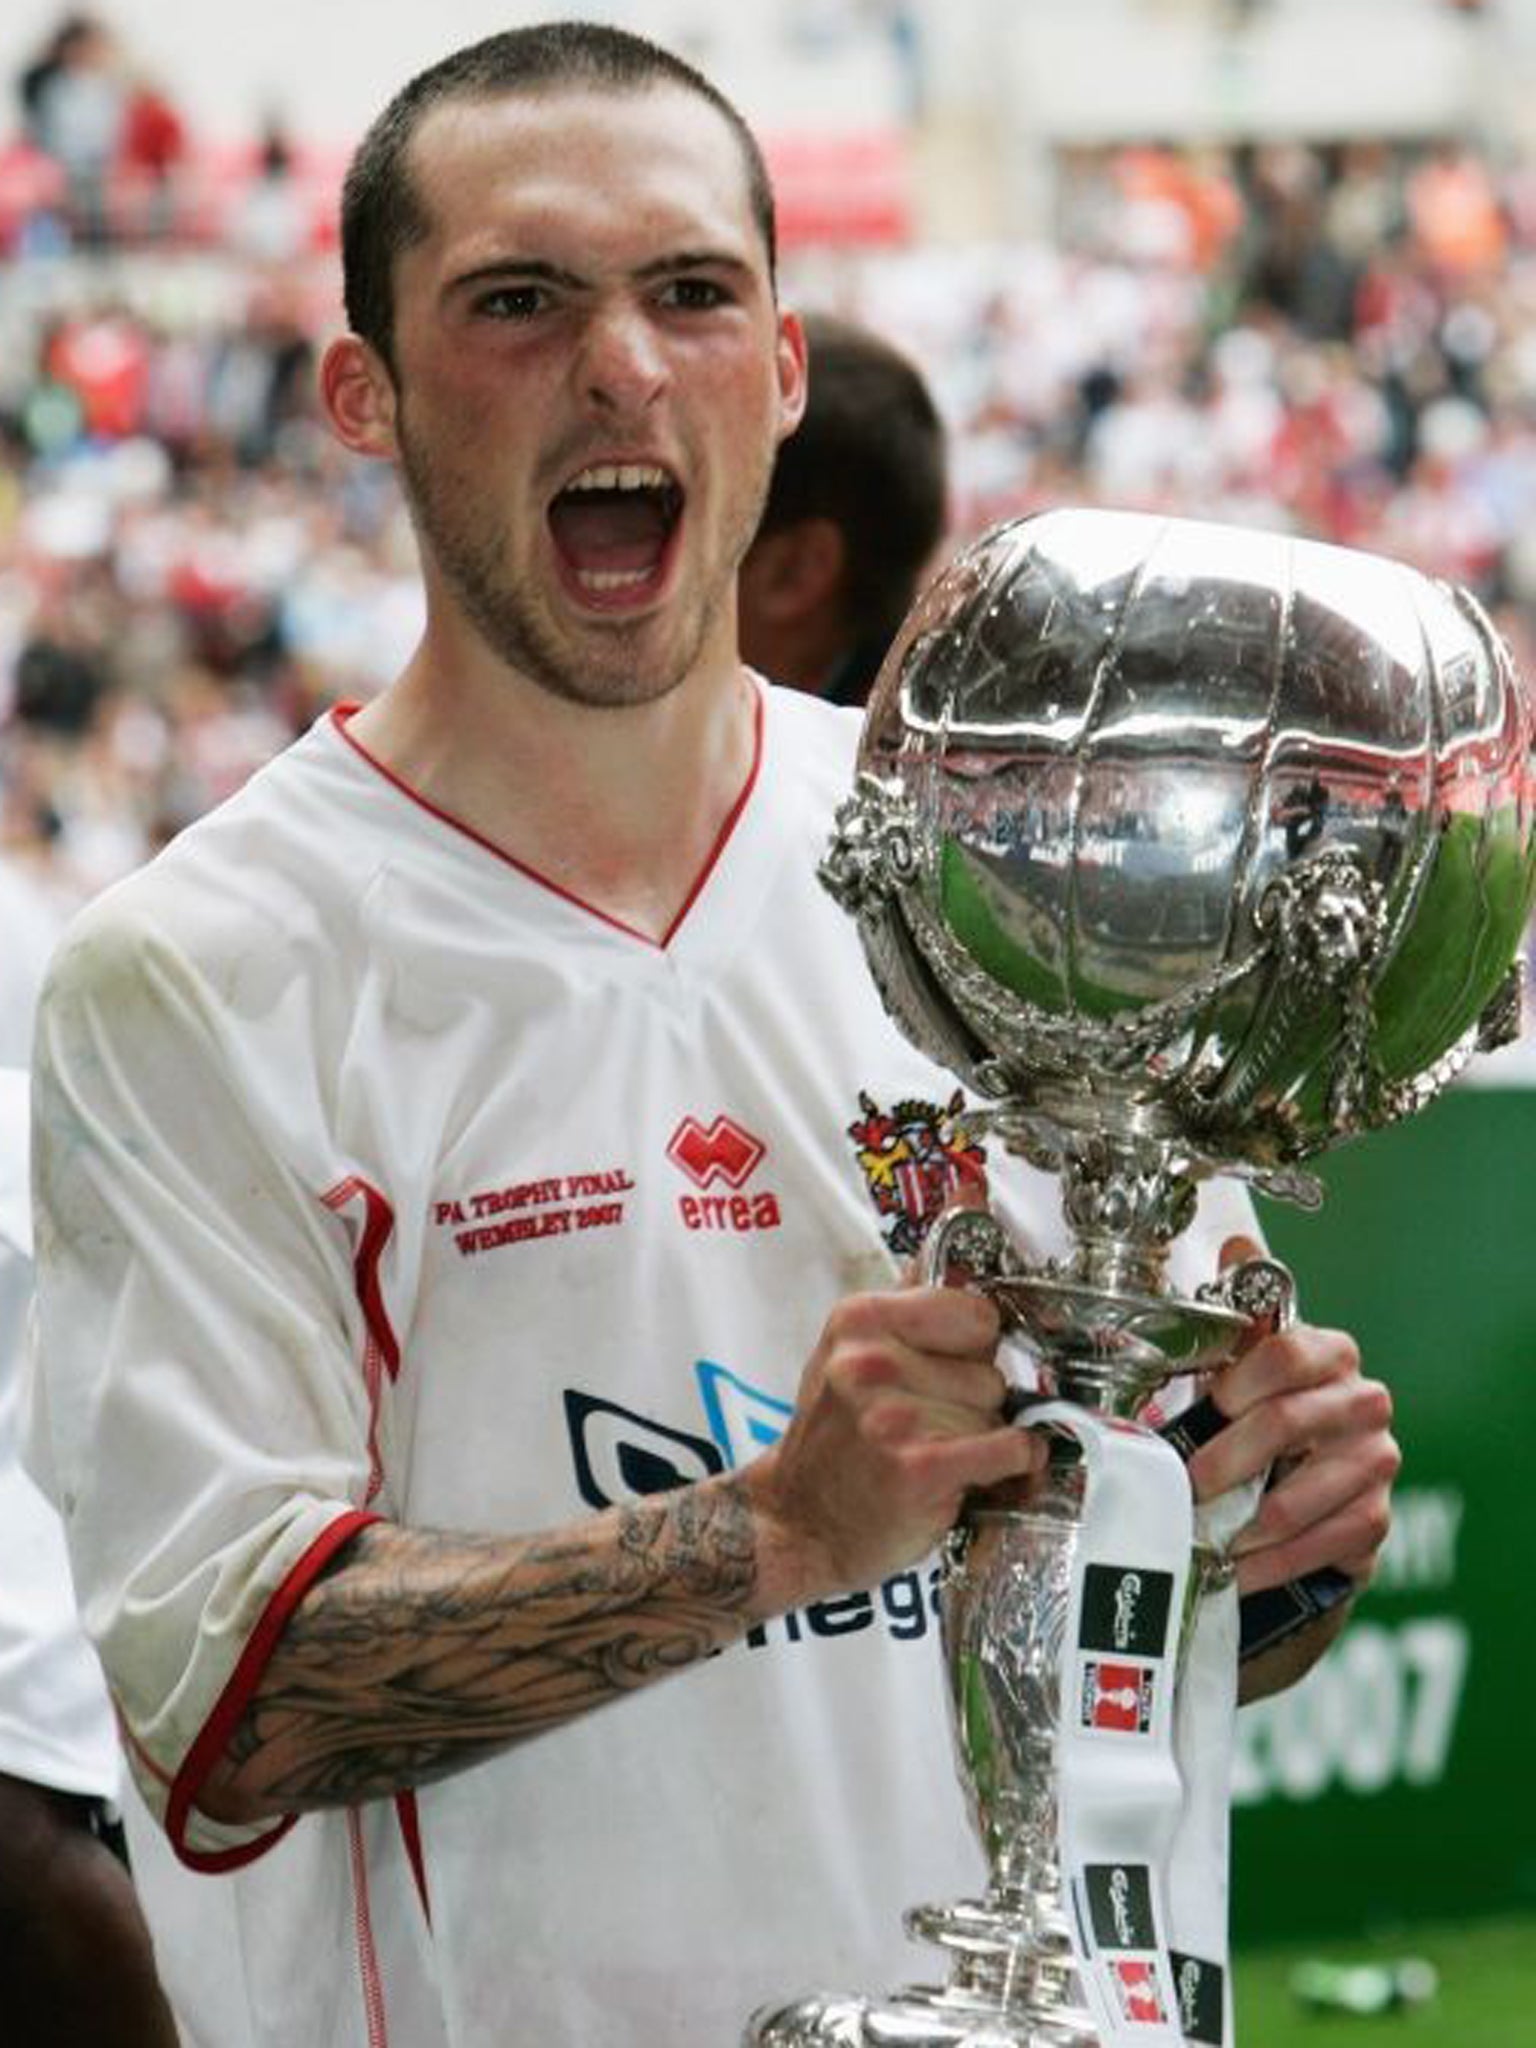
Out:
{"x": 914, "y": 1158}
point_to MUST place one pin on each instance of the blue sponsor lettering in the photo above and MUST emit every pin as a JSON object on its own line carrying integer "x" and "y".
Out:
{"x": 903, "y": 1604}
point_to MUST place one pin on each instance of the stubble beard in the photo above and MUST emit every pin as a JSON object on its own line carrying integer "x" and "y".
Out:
{"x": 470, "y": 547}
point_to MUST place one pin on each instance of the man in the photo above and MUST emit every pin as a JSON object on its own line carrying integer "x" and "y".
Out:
{"x": 856, "y": 508}
{"x": 448, "y": 1140}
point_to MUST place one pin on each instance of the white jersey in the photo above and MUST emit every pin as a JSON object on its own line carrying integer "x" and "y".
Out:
{"x": 378, "y": 1177}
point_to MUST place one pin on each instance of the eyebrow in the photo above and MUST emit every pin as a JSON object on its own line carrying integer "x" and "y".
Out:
{"x": 531, "y": 270}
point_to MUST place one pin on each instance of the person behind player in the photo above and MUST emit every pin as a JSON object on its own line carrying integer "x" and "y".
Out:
{"x": 75, "y": 1956}
{"x": 856, "y": 509}
{"x": 446, "y": 1161}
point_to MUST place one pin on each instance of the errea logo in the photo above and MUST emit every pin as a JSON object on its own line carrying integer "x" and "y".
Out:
{"x": 722, "y": 1154}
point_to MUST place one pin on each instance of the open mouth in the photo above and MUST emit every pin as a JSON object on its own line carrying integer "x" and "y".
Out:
{"x": 612, "y": 526}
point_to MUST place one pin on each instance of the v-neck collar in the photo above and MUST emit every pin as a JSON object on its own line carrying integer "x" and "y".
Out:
{"x": 696, "y": 906}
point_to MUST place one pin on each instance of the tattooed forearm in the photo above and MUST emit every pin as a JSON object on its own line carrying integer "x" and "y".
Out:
{"x": 418, "y": 1652}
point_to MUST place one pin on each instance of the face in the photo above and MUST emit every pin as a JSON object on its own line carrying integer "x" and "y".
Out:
{"x": 591, "y": 380}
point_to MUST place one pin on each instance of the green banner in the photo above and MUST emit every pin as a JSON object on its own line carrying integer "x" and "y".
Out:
{"x": 1398, "y": 1782}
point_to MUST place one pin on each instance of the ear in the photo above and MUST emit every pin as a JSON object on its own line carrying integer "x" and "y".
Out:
{"x": 359, "y": 397}
{"x": 792, "y": 357}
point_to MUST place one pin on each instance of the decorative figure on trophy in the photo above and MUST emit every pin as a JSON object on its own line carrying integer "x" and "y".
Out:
{"x": 1190, "y": 850}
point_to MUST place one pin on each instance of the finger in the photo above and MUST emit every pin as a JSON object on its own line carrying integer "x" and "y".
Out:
{"x": 897, "y": 1423}
{"x": 956, "y": 1465}
{"x": 951, "y": 1397}
{"x": 1283, "y": 1362}
{"x": 1286, "y": 1425}
{"x": 948, "y": 1321}
{"x": 1348, "y": 1540}
{"x": 1320, "y": 1487}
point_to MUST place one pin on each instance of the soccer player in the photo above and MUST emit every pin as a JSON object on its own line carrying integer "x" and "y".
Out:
{"x": 464, "y": 1306}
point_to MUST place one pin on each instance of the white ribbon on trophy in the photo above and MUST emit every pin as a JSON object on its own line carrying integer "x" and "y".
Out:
{"x": 1145, "y": 1739}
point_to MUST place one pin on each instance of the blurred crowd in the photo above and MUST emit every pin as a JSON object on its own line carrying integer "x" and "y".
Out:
{"x": 1340, "y": 342}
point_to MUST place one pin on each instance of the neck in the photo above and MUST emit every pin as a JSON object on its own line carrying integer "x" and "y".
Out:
{"x": 621, "y": 807}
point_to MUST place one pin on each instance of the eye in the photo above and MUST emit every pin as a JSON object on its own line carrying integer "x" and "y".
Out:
{"x": 513, "y": 302}
{"x": 693, "y": 294}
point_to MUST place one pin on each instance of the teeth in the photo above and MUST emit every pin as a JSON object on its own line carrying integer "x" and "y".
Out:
{"x": 620, "y": 476}
{"x": 612, "y": 579}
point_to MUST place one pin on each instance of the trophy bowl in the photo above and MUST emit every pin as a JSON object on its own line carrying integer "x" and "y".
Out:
{"x": 1190, "y": 849}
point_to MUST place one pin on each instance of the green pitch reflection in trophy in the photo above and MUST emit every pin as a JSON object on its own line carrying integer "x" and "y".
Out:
{"x": 1191, "y": 850}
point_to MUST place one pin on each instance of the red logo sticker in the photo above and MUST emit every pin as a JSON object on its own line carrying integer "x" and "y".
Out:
{"x": 1139, "y": 1998}
{"x": 1117, "y": 1696}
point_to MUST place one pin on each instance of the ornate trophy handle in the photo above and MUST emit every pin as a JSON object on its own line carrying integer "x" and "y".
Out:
{"x": 973, "y": 1242}
{"x": 1258, "y": 1289}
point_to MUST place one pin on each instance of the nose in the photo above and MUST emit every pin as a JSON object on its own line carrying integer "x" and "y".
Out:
{"x": 622, "y": 366}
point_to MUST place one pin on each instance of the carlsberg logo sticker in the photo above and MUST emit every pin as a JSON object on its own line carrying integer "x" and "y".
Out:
{"x": 1120, "y": 1905}
{"x": 1199, "y": 1985}
{"x": 1125, "y": 1608}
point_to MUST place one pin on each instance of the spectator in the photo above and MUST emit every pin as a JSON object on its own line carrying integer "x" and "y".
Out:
{"x": 856, "y": 508}
{"x": 76, "y": 103}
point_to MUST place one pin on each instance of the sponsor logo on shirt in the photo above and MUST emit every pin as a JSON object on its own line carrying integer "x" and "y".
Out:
{"x": 1125, "y": 1608}
{"x": 1117, "y": 1697}
{"x": 621, "y": 1455}
{"x": 721, "y": 1155}
{"x": 914, "y": 1157}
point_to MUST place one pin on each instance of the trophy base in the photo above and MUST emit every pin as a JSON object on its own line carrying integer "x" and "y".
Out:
{"x": 1011, "y": 1987}
{"x": 914, "y": 2018}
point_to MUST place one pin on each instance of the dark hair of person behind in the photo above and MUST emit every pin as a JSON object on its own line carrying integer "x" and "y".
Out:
{"x": 381, "y": 213}
{"x": 868, "y": 455}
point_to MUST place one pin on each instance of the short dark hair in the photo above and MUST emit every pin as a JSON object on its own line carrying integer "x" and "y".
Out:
{"x": 381, "y": 211}
{"x": 869, "y": 454}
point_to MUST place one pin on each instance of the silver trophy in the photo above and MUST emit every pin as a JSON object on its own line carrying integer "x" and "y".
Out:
{"x": 1192, "y": 850}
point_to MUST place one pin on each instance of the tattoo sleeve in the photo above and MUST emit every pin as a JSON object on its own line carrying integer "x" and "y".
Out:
{"x": 418, "y": 1652}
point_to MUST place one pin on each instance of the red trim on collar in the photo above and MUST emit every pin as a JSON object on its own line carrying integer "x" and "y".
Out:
{"x": 341, "y": 713}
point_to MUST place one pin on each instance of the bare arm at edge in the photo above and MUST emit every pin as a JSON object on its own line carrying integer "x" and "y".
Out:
{"x": 1273, "y": 1670}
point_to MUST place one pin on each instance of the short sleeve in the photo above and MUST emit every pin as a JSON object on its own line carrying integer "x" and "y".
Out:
{"x": 200, "y": 1418}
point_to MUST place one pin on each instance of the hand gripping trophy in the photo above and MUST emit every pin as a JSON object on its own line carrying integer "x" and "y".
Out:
{"x": 1192, "y": 850}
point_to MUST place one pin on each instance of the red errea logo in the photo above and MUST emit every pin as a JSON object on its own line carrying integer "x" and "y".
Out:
{"x": 724, "y": 1152}
{"x": 721, "y": 1153}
